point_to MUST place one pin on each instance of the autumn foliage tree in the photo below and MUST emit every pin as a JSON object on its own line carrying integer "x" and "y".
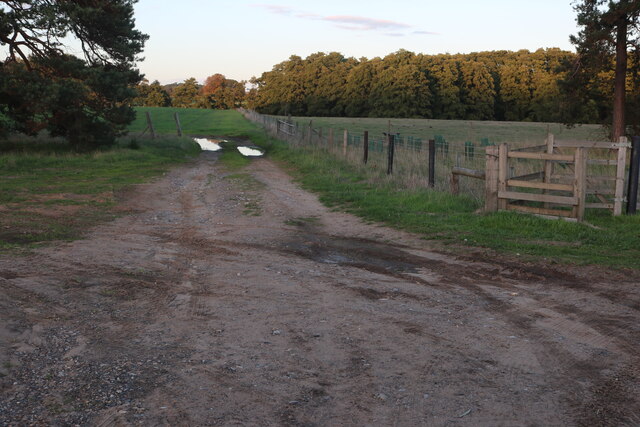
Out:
{"x": 222, "y": 93}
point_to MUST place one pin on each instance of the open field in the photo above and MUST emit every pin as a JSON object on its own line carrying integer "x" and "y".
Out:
{"x": 194, "y": 122}
{"x": 458, "y": 131}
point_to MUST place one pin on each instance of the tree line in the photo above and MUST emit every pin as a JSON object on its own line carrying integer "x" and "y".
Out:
{"x": 497, "y": 85}
{"x": 218, "y": 92}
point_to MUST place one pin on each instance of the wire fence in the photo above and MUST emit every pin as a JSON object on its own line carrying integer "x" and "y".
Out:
{"x": 420, "y": 161}
{"x": 410, "y": 166}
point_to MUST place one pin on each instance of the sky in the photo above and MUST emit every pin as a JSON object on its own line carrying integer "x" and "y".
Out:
{"x": 244, "y": 38}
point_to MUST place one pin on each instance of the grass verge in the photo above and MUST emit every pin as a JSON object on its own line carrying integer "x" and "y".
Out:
{"x": 48, "y": 192}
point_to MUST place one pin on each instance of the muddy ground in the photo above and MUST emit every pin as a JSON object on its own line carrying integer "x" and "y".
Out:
{"x": 238, "y": 299}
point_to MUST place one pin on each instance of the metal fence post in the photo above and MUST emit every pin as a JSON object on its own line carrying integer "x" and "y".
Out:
{"x": 432, "y": 163}
{"x": 391, "y": 148}
{"x": 366, "y": 146}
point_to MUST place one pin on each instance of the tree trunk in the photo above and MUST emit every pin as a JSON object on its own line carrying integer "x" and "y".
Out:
{"x": 618, "y": 127}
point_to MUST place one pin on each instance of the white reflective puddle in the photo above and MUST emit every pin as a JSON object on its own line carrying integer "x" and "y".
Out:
{"x": 208, "y": 144}
{"x": 250, "y": 151}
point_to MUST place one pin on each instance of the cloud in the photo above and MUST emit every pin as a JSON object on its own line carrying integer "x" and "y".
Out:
{"x": 364, "y": 24}
{"x": 426, "y": 33}
{"x": 349, "y": 22}
{"x": 308, "y": 15}
{"x": 274, "y": 8}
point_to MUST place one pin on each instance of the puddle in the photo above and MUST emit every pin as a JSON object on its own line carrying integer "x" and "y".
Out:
{"x": 208, "y": 144}
{"x": 251, "y": 151}
{"x": 367, "y": 254}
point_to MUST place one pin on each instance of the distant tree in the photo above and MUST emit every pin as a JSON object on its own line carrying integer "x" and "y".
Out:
{"x": 357, "y": 87}
{"x": 187, "y": 95}
{"x": 152, "y": 95}
{"x": 218, "y": 92}
{"x": 477, "y": 90}
{"x": 42, "y": 87}
{"x": 609, "y": 29}
{"x": 400, "y": 90}
{"x": 443, "y": 72}
{"x": 213, "y": 84}
{"x": 478, "y": 86}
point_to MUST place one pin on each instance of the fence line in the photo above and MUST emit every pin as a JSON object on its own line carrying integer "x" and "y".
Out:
{"x": 414, "y": 165}
{"x": 431, "y": 161}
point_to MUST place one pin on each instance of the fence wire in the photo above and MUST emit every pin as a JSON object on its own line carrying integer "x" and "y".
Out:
{"x": 411, "y": 163}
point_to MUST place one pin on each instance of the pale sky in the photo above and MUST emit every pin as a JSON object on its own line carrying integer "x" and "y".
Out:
{"x": 244, "y": 38}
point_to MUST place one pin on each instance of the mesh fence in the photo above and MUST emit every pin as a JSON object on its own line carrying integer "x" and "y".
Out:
{"x": 411, "y": 154}
{"x": 410, "y": 160}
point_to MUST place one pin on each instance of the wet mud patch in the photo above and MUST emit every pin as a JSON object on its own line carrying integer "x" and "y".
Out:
{"x": 361, "y": 253}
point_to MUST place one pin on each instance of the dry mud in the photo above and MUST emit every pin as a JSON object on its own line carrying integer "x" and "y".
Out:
{"x": 222, "y": 299}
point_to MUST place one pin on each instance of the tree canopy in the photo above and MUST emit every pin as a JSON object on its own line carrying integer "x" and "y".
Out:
{"x": 44, "y": 87}
{"x": 609, "y": 30}
{"x": 500, "y": 85}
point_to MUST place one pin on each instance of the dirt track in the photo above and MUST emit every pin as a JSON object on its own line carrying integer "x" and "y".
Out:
{"x": 219, "y": 300}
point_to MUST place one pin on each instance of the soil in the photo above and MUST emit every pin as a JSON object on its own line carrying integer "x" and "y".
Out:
{"x": 238, "y": 299}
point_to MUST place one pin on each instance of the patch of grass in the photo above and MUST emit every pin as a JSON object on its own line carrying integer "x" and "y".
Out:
{"x": 195, "y": 122}
{"x": 49, "y": 192}
{"x": 231, "y": 158}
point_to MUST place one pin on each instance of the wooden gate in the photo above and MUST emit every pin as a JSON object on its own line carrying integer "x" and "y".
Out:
{"x": 564, "y": 185}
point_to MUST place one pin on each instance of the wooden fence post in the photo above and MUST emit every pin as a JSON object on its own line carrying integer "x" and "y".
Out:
{"x": 620, "y": 172}
{"x": 634, "y": 171}
{"x": 503, "y": 173}
{"x": 178, "y": 126}
{"x": 150, "y": 126}
{"x": 330, "y": 139}
{"x": 580, "y": 182}
{"x": 390, "y": 150}
{"x": 432, "y": 163}
{"x": 366, "y": 146}
{"x": 345, "y": 141}
{"x": 310, "y": 131}
{"x": 455, "y": 184}
{"x": 491, "y": 180}
{"x": 548, "y": 165}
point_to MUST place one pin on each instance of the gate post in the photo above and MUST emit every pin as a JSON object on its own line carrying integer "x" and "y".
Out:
{"x": 491, "y": 179}
{"x": 634, "y": 171}
{"x": 503, "y": 173}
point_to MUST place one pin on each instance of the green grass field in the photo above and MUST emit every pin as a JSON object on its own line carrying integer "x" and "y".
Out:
{"x": 458, "y": 131}
{"x": 194, "y": 122}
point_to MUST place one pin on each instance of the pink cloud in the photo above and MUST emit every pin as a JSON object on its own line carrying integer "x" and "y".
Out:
{"x": 349, "y": 22}
{"x": 363, "y": 23}
{"x": 274, "y": 8}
